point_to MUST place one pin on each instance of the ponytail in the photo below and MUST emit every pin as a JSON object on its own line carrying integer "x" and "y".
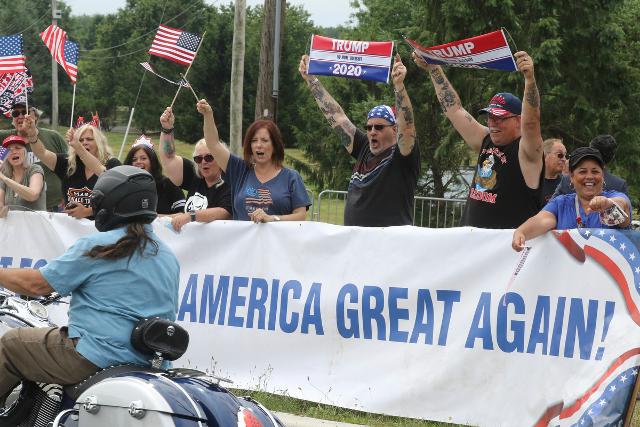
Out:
{"x": 135, "y": 239}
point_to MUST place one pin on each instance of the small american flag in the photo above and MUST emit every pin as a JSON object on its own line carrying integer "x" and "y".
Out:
{"x": 175, "y": 45}
{"x": 3, "y": 153}
{"x": 65, "y": 52}
{"x": 12, "y": 59}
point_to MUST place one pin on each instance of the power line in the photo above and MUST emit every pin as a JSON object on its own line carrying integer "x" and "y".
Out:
{"x": 35, "y": 22}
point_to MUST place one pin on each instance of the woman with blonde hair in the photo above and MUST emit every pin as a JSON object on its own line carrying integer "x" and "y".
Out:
{"x": 21, "y": 184}
{"x": 89, "y": 155}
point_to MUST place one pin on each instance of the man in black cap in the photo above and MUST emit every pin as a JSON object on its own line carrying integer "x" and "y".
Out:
{"x": 607, "y": 146}
{"x": 506, "y": 189}
{"x": 51, "y": 140}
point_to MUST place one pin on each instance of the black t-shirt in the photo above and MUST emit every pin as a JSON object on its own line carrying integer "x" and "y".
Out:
{"x": 549, "y": 187}
{"x": 170, "y": 197}
{"x": 77, "y": 188}
{"x": 499, "y": 196}
{"x": 199, "y": 195}
{"x": 382, "y": 187}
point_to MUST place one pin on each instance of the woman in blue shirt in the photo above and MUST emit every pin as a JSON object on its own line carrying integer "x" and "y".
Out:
{"x": 263, "y": 189}
{"x": 588, "y": 207}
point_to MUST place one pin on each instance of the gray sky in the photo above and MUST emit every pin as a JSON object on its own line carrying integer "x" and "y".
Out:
{"x": 326, "y": 13}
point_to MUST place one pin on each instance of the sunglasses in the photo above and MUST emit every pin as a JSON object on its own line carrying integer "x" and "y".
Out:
{"x": 562, "y": 156}
{"x": 18, "y": 113}
{"x": 376, "y": 127}
{"x": 207, "y": 158}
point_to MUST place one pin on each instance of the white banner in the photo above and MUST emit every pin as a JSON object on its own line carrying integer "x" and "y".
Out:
{"x": 404, "y": 321}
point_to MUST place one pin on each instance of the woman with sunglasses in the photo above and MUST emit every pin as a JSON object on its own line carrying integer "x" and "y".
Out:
{"x": 89, "y": 155}
{"x": 21, "y": 184}
{"x": 170, "y": 198}
{"x": 263, "y": 189}
{"x": 208, "y": 195}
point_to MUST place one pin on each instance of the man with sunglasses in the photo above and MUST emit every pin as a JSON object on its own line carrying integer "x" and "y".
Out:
{"x": 387, "y": 165}
{"x": 507, "y": 187}
{"x": 52, "y": 140}
{"x": 555, "y": 158}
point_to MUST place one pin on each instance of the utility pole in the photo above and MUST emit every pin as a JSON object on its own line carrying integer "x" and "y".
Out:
{"x": 237, "y": 76}
{"x": 55, "y": 15}
{"x": 272, "y": 36}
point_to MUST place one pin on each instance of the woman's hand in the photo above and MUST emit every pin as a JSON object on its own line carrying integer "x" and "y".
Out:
{"x": 303, "y": 67}
{"x": 167, "y": 119}
{"x": 259, "y": 216}
{"x": 599, "y": 204}
{"x": 179, "y": 220}
{"x": 204, "y": 108}
{"x": 518, "y": 241}
{"x": 69, "y": 136}
{"x": 79, "y": 211}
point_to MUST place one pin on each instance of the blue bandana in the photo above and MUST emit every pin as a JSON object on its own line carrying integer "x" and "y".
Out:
{"x": 382, "y": 112}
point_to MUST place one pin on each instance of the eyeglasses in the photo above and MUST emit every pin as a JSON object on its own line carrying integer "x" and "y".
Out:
{"x": 207, "y": 158}
{"x": 562, "y": 156}
{"x": 376, "y": 127}
{"x": 18, "y": 113}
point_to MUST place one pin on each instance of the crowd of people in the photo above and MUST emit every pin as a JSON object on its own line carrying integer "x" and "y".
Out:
{"x": 521, "y": 182}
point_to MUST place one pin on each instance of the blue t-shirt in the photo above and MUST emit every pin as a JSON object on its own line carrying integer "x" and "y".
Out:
{"x": 108, "y": 297}
{"x": 278, "y": 196}
{"x": 564, "y": 208}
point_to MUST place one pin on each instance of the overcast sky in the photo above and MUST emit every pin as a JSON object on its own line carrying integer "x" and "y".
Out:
{"x": 326, "y": 13}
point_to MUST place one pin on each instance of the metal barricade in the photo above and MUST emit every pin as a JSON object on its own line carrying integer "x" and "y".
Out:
{"x": 330, "y": 207}
{"x": 433, "y": 212}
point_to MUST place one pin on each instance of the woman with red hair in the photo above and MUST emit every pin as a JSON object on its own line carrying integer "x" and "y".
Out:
{"x": 263, "y": 189}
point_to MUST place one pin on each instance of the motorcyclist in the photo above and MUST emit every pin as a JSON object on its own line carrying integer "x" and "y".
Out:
{"x": 115, "y": 277}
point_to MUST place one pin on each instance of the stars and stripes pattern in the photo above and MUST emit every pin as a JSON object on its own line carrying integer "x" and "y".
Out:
{"x": 175, "y": 45}
{"x": 64, "y": 52}
{"x": 3, "y": 153}
{"x": 607, "y": 400}
{"x": 14, "y": 88}
{"x": 260, "y": 196}
{"x": 12, "y": 59}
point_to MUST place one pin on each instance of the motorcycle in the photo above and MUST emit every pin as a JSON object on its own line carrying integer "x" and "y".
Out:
{"x": 126, "y": 395}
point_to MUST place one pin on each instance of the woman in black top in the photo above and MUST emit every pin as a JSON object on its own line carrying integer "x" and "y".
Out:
{"x": 170, "y": 198}
{"x": 89, "y": 155}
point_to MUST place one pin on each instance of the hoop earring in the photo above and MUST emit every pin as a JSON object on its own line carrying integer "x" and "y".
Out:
{"x": 604, "y": 184}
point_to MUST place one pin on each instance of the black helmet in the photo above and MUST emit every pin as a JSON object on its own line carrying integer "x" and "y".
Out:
{"x": 124, "y": 194}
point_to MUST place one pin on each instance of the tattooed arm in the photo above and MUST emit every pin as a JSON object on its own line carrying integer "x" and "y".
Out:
{"x": 171, "y": 162}
{"x": 468, "y": 127}
{"x": 530, "y": 154}
{"x": 404, "y": 110}
{"x": 330, "y": 108}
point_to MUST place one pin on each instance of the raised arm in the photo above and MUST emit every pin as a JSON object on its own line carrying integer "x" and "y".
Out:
{"x": 30, "y": 193}
{"x": 404, "y": 110}
{"x": 88, "y": 159}
{"x": 530, "y": 154}
{"x": 28, "y": 130}
{"x": 220, "y": 151}
{"x": 332, "y": 111}
{"x": 171, "y": 162}
{"x": 467, "y": 126}
{"x": 535, "y": 226}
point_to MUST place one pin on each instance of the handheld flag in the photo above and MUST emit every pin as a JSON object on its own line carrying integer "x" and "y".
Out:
{"x": 65, "y": 52}
{"x": 14, "y": 88}
{"x": 12, "y": 59}
{"x": 175, "y": 45}
{"x": 353, "y": 59}
{"x": 490, "y": 51}
{"x": 150, "y": 69}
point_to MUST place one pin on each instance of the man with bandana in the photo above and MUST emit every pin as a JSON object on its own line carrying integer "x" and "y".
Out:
{"x": 387, "y": 165}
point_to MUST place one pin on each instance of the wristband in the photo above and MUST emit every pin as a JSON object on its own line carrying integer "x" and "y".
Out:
{"x": 36, "y": 140}
{"x": 193, "y": 216}
{"x": 166, "y": 131}
{"x": 401, "y": 90}
{"x": 613, "y": 215}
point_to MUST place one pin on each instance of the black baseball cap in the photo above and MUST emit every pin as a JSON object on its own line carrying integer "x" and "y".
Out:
{"x": 582, "y": 153}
